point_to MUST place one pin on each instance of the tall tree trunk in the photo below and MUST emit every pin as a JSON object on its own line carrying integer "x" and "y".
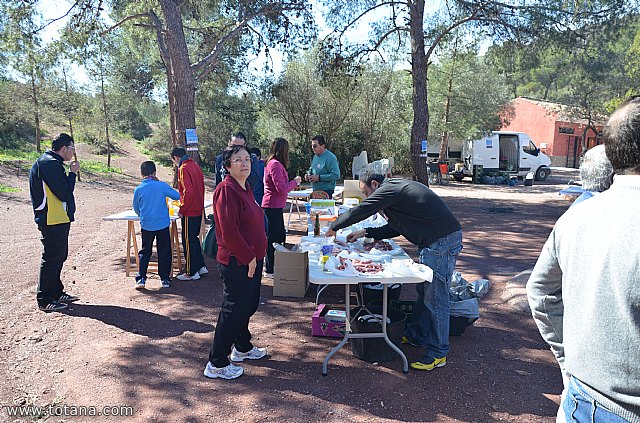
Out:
{"x": 104, "y": 110}
{"x": 181, "y": 79}
{"x": 420, "y": 127}
{"x": 36, "y": 112}
{"x": 67, "y": 100}
{"x": 444, "y": 145}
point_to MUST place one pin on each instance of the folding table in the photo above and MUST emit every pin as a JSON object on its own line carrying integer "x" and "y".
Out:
{"x": 319, "y": 277}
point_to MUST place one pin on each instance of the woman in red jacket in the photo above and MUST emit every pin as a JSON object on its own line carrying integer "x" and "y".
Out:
{"x": 276, "y": 187}
{"x": 242, "y": 245}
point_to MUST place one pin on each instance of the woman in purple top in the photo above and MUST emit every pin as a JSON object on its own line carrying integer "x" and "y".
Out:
{"x": 276, "y": 187}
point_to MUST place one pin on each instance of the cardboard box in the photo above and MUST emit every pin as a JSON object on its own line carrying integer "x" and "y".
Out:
{"x": 321, "y": 327}
{"x": 352, "y": 190}
{"x": 291, "y": 274}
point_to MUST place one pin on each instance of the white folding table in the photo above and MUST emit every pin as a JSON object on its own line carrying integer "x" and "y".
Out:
{"x": 304, "y": 194}
{"x": 319, "y": 277}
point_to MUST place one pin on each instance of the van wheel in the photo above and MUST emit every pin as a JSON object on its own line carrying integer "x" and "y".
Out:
{"x": 542, "y": 173}
{"x": 458, "y": 178}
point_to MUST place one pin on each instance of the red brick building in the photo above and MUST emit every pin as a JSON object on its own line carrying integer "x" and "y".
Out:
{"x": 552, "y": 129}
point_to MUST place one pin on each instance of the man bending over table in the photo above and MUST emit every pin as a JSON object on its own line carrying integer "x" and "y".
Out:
{"x": 418, "y": 214}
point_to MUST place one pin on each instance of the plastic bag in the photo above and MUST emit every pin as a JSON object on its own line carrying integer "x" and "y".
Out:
{"x": 210, "y": 243}
{"x": 333, "y": 263}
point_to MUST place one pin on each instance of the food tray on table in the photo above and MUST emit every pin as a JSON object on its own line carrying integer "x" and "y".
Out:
{"x": 381, "y": 247}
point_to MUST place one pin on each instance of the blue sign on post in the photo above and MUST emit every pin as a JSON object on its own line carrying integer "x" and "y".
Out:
{"x": 424, "y": 146}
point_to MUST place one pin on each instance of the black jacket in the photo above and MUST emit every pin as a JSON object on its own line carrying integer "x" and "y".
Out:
{"x": 412, "y": 210}
{"x": 52, "y": 190}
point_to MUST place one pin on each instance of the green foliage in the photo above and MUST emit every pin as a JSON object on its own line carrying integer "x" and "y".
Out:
{"x": 5, "y": 188}
{"x": 15, "y": 122}
{"x": 11, "y": 155}
{"x": 369, "y": 110}
{"x": 98, "y": 167}
{"x": 476, "y": 94}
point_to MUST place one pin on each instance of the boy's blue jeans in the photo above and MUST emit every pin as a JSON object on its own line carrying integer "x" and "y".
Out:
{"x": 429, "y": 324}
{"x": 579, "y": 406}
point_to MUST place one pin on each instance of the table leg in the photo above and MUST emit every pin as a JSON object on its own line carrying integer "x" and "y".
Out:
{"x": 347, "y": 331}
{"x": 298, "y": 210}
{"x": 135, "y": 245}
{"x": 405, "y": 364}
{"x": 175, "y": 248}
{"x": 289, "y": 218}
{"x": 130, "y": 230}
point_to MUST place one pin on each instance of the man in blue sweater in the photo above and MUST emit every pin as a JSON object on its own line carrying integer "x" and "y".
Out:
{"x": 324, "y": 170}
{"x": 584, "y": 290}
{"x": 150, "y": 203}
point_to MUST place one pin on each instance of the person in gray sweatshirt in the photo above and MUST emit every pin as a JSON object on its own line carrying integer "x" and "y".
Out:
{"x": 584, "y": 291}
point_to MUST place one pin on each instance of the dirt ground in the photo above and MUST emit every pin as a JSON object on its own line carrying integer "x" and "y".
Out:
{"x": 147, "y": 349}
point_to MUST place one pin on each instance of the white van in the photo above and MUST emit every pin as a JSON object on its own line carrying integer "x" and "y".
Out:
{"x": 504, "y": 151}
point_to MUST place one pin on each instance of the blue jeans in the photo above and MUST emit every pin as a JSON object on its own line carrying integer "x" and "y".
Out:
{"x": 578, "y": 406}
{"x": 429, "y": 324}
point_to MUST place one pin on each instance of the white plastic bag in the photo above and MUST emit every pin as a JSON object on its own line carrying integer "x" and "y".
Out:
{"x": 333, "y": 263}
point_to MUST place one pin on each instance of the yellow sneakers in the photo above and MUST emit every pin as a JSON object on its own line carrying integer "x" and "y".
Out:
{"x": 437, "y": 362}
{"x": 406, "y": 340}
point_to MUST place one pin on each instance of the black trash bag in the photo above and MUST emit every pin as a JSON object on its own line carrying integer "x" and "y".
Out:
{"x": 210, "y": 243}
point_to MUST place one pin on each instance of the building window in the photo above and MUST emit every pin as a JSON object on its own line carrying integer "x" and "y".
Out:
{"x": 565, "y": 130}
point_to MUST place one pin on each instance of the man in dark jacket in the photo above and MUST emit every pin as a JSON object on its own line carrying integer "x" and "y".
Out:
{"x": 54, "y": 207}
{"x": 191, "y": 189}
{"x": 255, "y": 178}
{"x": 418, "y": 214}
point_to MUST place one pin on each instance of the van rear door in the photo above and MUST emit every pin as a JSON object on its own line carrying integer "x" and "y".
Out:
{"x": 485, "y": 152}
{"x": 509, "y": 153}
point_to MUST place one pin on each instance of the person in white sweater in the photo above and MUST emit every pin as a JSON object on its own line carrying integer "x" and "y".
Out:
{"x": 584, "y": 291}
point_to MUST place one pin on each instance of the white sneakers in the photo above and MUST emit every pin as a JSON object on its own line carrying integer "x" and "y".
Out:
{"x": 184, "y": 277}
{"x": 229, "y": 372}
{"x": 254, "y": 354}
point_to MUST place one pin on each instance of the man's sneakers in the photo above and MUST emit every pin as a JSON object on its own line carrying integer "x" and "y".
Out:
{"x": 53, "y": 306}
{"x": 231, "y": 371}
{"x": 185, "y": 277}
{"x": 203, "y": 270}
{"x": 406, "y": 340}
{"x": 67, "y": 298}
{"x": 166, "y": 283}
{"x": 429, "y": 363}
{"x": 254, "y": 353}
{"x": 140, "y": 283}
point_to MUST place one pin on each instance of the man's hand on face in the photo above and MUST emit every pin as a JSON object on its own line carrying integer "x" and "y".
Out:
{"x": 74, "y": 166}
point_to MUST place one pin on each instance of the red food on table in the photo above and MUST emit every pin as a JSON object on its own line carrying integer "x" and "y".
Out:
{"x": 378, "y": 245}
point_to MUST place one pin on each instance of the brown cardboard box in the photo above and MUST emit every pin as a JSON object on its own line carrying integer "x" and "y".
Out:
{"x": 291, "y": 274}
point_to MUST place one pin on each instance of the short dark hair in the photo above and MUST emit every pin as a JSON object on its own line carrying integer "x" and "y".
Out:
{"x": 147, "y": 168}
{"x": 367, "y": 178}
{"x": 240, "y": 135}
{"x": 256, "y": 151}
{"x": 178, "y": 152}
{"x": 61, "y": 140}
{"x": 230, "y": 151}
{"x": 320, "y": 139}
{"x": 622, "y": 138}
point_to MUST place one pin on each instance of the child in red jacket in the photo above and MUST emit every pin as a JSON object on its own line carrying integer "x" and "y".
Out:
{"x": 191, "y": 189}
